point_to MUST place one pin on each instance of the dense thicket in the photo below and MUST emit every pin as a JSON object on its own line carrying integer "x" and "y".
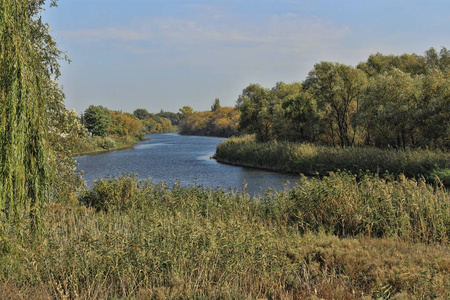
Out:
{"x": 388, "y": 101}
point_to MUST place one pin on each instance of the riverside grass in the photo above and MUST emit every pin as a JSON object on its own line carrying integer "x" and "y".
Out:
{"x": 311, "y": 159}
{"x": 335, "y": 238}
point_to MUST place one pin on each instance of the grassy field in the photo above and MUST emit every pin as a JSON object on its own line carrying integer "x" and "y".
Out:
{"x": 311, "y": 159}
{"x": 335, "y": 238}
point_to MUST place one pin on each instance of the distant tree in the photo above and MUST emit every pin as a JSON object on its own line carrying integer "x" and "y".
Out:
{"x": 97, "y": 120}
{"x": 435, "y": 60}
{"x": 142, "y": 114}
{"x": 173, "y": 117}
{"x": 408, "y": 63}
{"x": 125, "y": 124}
{"x": 432, "y": 58}
{"x": 216, "y": 105}
{"x": 444, "y": 59}
{"x": 222, "y": 122}
{"x": 185, "y": 111}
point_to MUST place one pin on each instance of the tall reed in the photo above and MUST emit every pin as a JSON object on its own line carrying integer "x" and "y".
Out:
{"x": 138, "y": 239}
{"x": 313, "y": 159}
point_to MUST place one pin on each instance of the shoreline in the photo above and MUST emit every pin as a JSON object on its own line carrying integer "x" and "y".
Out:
{"x": 103, "y": 151}
{"x": 314, "y": 160}
{"x": 266, "y": 168}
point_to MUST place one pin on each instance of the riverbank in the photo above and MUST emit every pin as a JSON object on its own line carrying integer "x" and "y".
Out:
{"x": 334, "y": 239}
{"x": 314, "y": 160}
{"x": 95, "y": 145}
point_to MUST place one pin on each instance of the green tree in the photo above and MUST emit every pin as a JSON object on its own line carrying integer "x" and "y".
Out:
{"x": 254, "y": 105}
{"x": 388, "y": 108}
{"x": 174, "y": 118}
{"x": 29, "y": 65}
{"x": 263, "y": 112}
{"x": 301, "y": 118}
{"x": 432, "y": 58}
{"x": 142, "y": 114}
{"x": 432, "y": 110}
{"x": 337, "y": 89}
{"x": 97, "y": 120}
{"x": 282, "y": 122}
{"x": 379, "y": 63}
{"x": 185, "y": 112}
{"x": 216, "y": 105}
{"x": 435, "y": 60}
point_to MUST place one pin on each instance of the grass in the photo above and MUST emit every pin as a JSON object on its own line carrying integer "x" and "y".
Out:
{"x": 313, "y": 159}
{"x": 334, "y": 238}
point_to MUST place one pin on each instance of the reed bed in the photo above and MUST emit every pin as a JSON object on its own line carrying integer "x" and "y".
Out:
{"x": 337, "y": 238}
{"x": 311, "y": 159}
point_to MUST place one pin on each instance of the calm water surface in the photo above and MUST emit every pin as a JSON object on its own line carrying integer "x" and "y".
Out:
{"x": 171, "y": 157}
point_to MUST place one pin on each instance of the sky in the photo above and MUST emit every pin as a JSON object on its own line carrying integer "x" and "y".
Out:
{"x": 166, "y": 54}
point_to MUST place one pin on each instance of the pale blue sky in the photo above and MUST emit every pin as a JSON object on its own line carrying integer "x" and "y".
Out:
{"x": 164, "y": 54}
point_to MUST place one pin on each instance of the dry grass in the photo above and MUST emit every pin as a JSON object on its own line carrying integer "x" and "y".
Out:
{"x": 157, "y": 242}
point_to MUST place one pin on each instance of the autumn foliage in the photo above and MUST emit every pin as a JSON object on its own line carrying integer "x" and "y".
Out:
{"x": 222, "y": 122}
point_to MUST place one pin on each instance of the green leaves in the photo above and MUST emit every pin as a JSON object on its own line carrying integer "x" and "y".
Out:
{"x": 29, "y": 61}
{"x": 338, "y": 89}
{"x": 97, "y": 120}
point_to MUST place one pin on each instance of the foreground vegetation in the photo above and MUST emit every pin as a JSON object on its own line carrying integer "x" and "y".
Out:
{"x": 334, "y": 238}
{"x": 313, "y": 159}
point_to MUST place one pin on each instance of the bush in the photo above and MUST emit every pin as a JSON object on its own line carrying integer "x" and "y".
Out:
{"x": 106, "y": 143}
{"x": 441, "y": 176}
{"x": 113, "y": 194}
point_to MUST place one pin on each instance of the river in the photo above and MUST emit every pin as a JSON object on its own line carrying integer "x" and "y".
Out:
{"x": 170, "y": 157}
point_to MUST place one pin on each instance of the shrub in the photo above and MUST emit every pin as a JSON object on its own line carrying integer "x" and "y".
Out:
{"x": 113, "y": 194}
{"x": 106, "y": 143}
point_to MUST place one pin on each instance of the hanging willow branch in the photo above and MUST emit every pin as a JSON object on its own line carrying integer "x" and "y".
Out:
{"x": 28, "y": 58}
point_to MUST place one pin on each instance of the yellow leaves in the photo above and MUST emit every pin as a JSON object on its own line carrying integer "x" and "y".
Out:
{"x": 125, "y": 124}
{"x": 221, "y": 122}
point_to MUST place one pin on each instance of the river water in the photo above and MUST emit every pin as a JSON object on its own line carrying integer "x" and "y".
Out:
{"x": 170, "y": 158}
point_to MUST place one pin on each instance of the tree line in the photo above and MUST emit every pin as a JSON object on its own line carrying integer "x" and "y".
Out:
{"x": 220, "y": 121}
{"x": 100, "y": 121}
{"x": 387, "y": 101}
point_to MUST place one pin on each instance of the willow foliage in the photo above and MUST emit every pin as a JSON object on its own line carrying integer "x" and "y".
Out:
{"x": 28, "y": 65}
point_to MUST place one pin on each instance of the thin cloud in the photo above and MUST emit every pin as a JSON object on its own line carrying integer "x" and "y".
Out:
{"x": 109, "y": 33}
{"x": 285, "y": 29}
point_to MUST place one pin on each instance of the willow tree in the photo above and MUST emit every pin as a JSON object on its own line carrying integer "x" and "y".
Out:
{"x": 28, "y": 67}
